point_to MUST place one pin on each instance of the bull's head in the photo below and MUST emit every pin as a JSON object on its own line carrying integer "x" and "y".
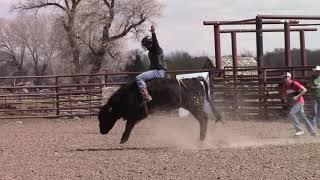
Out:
{"x": 108, "y": 116}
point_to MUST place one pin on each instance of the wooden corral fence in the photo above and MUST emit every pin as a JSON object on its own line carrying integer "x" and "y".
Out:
{"x": 237, "y": 91}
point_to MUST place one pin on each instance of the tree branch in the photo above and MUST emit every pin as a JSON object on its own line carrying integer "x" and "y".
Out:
{"x": 87, "y": 44}
{"x": 31, "y": 6}
{"x": 112, "y": 3}
{"x": 67, "y": 4}
{"x": 107, "y": 3}
{"x": 126, "y": 30}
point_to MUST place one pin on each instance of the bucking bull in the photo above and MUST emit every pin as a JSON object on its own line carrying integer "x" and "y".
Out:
{"x": 167, "y": 94}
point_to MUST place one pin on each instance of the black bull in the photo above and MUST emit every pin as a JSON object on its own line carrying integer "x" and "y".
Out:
{"x": 167, "y": 94}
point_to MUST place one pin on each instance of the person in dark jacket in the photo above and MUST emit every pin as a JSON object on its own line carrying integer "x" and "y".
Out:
{"x": 158, "y": 66}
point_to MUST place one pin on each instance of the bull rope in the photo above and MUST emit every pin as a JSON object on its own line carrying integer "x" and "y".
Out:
{"x": 180, "y": 82}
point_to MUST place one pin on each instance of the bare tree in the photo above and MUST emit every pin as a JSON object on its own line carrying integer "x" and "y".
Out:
{"x": 62, "y": 63}
{"x": 11, "y": 45}
{"x": 100, "y": 25}
{"x": 27, "y": 40}
{"x": 113, "y": 20}
{"x": 69, "y": 8}
{"x": 38, "y": 41}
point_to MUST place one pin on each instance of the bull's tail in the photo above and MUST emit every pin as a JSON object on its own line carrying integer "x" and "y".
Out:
{"x": 215, "y": 112}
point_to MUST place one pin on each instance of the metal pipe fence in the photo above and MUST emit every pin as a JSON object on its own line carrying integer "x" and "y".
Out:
{"x": 240, "y": 90}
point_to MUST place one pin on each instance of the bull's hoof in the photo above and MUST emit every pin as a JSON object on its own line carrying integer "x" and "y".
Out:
{"x": 202, "y": 138}
{"x": 219, "y": 120}
{"x": 219, "y": 117}
{"x": 123, "y": 141}
{"x": 143, "y": 104}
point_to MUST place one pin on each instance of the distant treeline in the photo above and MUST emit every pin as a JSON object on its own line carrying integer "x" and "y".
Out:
{"x": 276, "y": 58}
{"x": 178, "y": 60}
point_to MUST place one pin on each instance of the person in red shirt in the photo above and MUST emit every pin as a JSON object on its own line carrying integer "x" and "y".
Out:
{"x": 292, "y": 92}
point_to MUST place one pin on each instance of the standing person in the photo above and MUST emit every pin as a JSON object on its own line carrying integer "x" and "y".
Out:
{"x": 315, "y": 94}
{"x": 158, "y": 67}
{"x": 293, "y": 91}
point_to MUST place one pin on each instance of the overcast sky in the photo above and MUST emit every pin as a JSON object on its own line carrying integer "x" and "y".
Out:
{"x": 181, "y": 28}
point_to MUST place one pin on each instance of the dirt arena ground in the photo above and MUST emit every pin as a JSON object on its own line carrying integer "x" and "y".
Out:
{"x": 159, "y": 148}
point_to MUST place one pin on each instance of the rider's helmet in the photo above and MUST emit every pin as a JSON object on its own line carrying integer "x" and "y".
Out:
{"x": 146, "y": 42}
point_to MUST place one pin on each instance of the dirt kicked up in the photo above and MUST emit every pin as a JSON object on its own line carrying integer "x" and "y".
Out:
{"x": 159, "y": 148}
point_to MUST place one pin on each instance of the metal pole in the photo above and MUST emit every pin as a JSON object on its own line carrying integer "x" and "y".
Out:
{"x": 217, "y": 46}
{"x": 234, "y": 66}
{"x": 266, "y": 93}
{"x": 306, "y": 24}
{"x": 259, "y": 39}
{"x": 245, "y": 22}
{"x": 303, "y": 56}
{"x": 287, "y": 44}
{"x": 237, "y": 22}
{"x": 289, "y": 17}
{"x": 234, "y": 49}
{"x": 266, "y": 30}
